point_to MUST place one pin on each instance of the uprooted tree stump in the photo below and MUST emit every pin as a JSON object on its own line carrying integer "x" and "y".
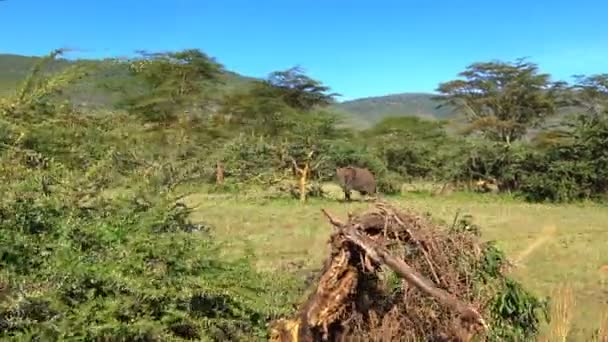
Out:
{"x": 437, "y": 298}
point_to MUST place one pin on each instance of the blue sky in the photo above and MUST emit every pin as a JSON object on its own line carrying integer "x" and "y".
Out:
{"x": 358, "y": 48}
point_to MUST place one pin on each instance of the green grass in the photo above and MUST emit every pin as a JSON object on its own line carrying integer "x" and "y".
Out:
{"x": 287, "y": 236}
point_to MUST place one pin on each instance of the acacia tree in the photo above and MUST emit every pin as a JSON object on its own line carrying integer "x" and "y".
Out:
{"x": 298, "y": 90}
{"x": 257, "y": 109}
{"x": 169, "y": 83}
{"x": 591, "y": 93}
{"x": 270, "y": 105}
{"x": 502, "y": 100}
{"x": 307, "y": 145}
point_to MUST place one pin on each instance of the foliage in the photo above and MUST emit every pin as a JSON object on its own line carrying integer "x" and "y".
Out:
{"x": 591, "y": 93}
{"x": 256, "y": 111}
{"x": 170, "y": 84}
{"x": 275, "y": 105}
{"x": 502, "y": 100}
{"x": 81, "y": 263}
{"x": 123, "y": 272}
{"x": 297, "y": 90}
{"x": 410, "y": 146}
{"x": 36, "y": 97}
{"x": 516, "y": 313}
{"x": 575, "y": 169}
{"x": 132, "y": 267}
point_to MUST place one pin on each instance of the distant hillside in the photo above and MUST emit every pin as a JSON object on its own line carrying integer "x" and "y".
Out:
{"x": 365, "y": 112}
{"x": 14, "y": 69}
{"x": 368, "y": 111}
{"x": 359, "y": 113}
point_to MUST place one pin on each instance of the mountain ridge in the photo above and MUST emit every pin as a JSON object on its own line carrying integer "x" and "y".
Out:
{"x": 360, "y": 112}
{"x": 371, "y": 110}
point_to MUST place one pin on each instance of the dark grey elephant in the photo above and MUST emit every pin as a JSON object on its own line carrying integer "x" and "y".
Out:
{"x": 355, "y": 178}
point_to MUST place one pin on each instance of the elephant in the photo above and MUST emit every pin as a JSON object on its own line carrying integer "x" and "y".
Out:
{"x": 355, "y": 178}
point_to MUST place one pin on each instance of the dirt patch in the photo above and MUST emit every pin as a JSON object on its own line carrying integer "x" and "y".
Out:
{"x": 547, "y": 233}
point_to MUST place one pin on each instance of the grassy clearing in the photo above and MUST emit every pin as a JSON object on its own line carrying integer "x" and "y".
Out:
{"x": 285, "y": 235}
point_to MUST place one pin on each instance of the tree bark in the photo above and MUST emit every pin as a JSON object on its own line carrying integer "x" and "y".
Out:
{"x": 382, "y": 256}
{"x": 303, "y": 174}
{"x": 219, "y": 173}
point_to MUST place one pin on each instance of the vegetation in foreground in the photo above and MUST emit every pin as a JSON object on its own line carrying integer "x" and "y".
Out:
{"x": 77, "y": 263}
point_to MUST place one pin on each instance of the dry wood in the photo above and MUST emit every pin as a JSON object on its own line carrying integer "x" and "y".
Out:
{"x": 422, "y": 248}
{"x": 382, "y": 256}
{"x": 303, "y": 174}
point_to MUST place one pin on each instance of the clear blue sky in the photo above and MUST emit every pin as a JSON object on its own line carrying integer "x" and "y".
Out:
{"x": 358, "y": 48}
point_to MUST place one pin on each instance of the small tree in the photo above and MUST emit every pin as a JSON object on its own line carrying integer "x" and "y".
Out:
{"x": 303, "y": 173}
{"x": 308, "y": 145}
{"x": 502, "y": 100}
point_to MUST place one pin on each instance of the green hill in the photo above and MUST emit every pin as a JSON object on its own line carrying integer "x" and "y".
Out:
{"x": 368, "y": 111}
{"x": 361, "y": 113}
{"x": 14, "y": 69}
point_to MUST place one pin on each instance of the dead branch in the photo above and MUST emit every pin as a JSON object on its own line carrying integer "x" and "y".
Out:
{"x": 304, "y": 173}
{"x": 382, "y": 256}
{"x": 334, "y": 221}
{"x": 419, "y": 244}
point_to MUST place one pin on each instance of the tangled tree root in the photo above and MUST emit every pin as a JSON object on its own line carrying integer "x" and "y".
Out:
{"x": 435, "y": 297}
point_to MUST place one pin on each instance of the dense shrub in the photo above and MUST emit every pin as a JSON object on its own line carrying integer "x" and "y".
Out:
{"x": 575, "y": 168}
{"x": 123, "y": 271}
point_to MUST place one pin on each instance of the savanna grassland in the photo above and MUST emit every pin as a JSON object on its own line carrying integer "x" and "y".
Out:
{"x": 165, "y": 198}
{"x": 551, "y": 246}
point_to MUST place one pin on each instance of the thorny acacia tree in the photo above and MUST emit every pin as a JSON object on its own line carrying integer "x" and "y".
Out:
{"x": 170, "y": 83}
{"x": 269, "y": 106}
{"x": 591, "y": 93}
{"x": 298, "y": 90}
{"x": 502, "y": 100}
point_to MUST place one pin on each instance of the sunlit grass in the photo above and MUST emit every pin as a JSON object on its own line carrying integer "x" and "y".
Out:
{"x": 288, "y": 236}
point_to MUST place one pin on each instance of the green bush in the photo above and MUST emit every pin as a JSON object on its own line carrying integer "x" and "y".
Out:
{"x": 126, "y": 272}
{"x": 389, "y": 183}
{"x": 516, "y": 313}
{"x": 574, "y": 169}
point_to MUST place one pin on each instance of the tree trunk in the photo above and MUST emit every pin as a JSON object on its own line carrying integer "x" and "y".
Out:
{"x": 219, "y": 173}
{"x": 303, "y": 180}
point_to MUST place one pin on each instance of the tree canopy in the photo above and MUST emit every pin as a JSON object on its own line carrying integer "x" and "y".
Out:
{"x": 591, "y": 93}
{"x": 170, "y": 83}
{"x": 502, "y": 100}
{"x": 298, "y": 90}
{"x": 271, "y": 105}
